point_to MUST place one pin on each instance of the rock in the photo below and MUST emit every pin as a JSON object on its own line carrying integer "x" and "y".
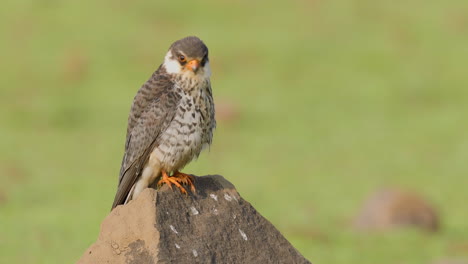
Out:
{"x": 390, "y": 208}
{"x": 215, "y": 225}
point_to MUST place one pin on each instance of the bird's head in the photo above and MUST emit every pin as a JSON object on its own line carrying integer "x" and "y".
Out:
{"x": 189, "y": 57}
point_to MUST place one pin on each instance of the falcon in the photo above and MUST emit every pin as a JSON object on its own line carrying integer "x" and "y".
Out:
{"x": 171, "y": 121}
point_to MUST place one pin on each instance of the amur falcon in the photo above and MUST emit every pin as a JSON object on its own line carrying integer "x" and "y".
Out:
{"x": 171, "y": 121}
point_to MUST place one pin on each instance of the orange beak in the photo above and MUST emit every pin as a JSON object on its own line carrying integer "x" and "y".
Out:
{"x": 193, "y": 65}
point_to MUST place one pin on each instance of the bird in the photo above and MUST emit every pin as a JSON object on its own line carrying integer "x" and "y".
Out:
{"x": 171, "y": 120}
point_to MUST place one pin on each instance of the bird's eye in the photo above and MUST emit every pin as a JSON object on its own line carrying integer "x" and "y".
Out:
{"x": 182, "y": 58}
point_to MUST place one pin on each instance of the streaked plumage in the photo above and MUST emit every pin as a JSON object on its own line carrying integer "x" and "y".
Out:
{"x": 171, "y": 119}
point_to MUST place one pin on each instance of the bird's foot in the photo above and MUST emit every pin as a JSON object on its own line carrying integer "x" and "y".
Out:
{"x": 177, "y": 179}
{"x": 185, "y": 179}
{"x": 169, "y": 181}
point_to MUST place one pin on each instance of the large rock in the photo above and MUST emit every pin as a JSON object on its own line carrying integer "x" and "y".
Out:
{"x": 215, "y": 225}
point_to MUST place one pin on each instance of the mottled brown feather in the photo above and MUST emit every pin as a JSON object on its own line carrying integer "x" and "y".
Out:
{"x": 152, "y": 111}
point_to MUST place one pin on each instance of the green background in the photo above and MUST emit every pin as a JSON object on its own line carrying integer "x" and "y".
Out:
{"x": 335, "y": 99}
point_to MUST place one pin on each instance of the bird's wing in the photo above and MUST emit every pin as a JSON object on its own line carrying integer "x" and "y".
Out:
{"x": 157, "y": 84}
{"x": 143, "y": 138}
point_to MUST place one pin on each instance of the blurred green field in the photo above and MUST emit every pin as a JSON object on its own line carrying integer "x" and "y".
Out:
{"x": 335, "y": 98}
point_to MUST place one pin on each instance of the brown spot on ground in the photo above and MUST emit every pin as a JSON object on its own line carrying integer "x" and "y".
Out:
{"x": 75, "y": 65}
{"x": 3, "y": 197}
{"x": 451, "y": 261}
{"x": 226, "y": 110}
{"x": 458, "y": 248}
{"x": 390, "y": 208}
{"x": 14, "y": 172}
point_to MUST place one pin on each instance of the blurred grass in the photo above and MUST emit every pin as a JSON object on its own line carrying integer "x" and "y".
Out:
{"x": 337, "y": 98}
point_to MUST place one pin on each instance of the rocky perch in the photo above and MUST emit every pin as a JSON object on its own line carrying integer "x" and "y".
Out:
{"x": 214, "y": 225}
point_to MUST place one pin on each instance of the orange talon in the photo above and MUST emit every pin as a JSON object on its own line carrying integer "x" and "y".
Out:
{"x": 176, "y": 179}
{"x": 185, "y": 179}
{"x": 169, "y": 181}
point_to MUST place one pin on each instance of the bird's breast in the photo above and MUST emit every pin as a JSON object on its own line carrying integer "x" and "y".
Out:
{"x": 187, "y": 134}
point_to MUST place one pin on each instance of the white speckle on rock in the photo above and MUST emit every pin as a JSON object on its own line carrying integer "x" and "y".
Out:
{"x": 194, "y": 210}
{"x": 215, "y": 211}
{"x": 244, "y": 236}
{"x": 214, "y": 196}
{"x": 167, "y": 212}
{"x": 234, "y": 216}
{"x": 195, "y": 253}
{"x": 173, "y": 229}
{"x": 227, "y": 197}
{"x": 177, "y": 246}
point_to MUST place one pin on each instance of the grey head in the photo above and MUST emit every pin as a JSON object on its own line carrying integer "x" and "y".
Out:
{"x": 189, "y": 53}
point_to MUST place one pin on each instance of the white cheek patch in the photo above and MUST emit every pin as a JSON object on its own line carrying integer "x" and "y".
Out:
{"x": 172, "y": 66}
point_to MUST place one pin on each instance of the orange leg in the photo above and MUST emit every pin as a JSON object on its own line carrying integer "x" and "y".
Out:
{"x": 170, "y": 180}
{"x": 185, "y": 179}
